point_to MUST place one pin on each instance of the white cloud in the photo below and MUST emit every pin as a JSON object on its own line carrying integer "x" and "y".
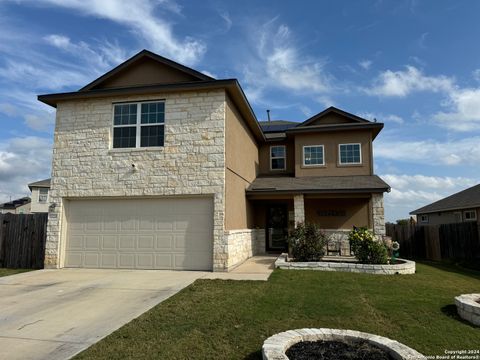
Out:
{"x": 277, "y": 63}
{"x": 464, "y": 151}
{"x": 41, "y": 121}
{"x": 226, "y": 17}
{"x": 476, "y": 74}
{"x": 23, "y": 160}
{"x": 410, "y": 192}
{"x": 404, "y": 82}
{"x": 382, "y": 117}
{"x": 8, "y": 109}
{"x": 140, "y": 17}
{"x": 464, "y": 110}
{"x": 365, "y": 64}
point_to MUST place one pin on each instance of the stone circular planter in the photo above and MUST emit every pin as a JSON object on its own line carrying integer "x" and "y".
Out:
{"x": 468, "y": 308}
{"x": 404, "y": 266}
{"x": 274, "y": 347}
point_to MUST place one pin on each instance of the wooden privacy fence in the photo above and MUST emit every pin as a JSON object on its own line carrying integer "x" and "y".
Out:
{"x": 459, "y": 241}
{"x": 22, "y": 240}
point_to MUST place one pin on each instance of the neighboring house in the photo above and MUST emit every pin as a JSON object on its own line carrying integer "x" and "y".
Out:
{"x": 19, "y": 206}
{"x": 158, "y": 166}
{"x": 463, "y": 206}
{"x": 40, "y": 190}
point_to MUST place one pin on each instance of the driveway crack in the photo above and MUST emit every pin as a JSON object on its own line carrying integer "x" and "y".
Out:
{"x": 23, "y": 326}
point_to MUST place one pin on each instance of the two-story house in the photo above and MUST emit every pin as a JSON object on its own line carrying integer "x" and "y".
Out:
{"x": 40, "y": 190}
{"x": 158, "y": 166}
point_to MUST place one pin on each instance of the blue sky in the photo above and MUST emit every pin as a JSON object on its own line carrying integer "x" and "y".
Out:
{"x": 414, "y": 65}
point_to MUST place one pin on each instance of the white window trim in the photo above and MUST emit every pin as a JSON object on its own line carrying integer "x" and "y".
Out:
{"x": 422, "y": 219}
{"x": 138, "y": 124}
{"x": 40, "y": 194}
{"x": 350, "y": 163}
{"x": 313, "y": 146}
{"x": 284, "y": 157}
{"x": 474, "y": 218}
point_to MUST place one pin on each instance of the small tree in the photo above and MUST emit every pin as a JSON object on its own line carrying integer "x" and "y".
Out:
{"x": 366, "y": 248}
{"x": 307, "y": 242}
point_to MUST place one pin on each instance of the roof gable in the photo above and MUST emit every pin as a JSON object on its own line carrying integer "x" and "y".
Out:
{"x": 146, "y": 68}
{"x": 331, "y": 116}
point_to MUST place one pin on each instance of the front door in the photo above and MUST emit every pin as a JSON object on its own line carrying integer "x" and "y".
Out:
{"x": 277, "y": 227}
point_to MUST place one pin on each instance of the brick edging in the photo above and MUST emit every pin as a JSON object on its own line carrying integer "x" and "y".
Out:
{"x": 468, "y": 308}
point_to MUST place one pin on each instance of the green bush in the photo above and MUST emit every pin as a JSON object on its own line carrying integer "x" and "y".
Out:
{"x": 366, "y": 248}
{"x": 307, "y": 242}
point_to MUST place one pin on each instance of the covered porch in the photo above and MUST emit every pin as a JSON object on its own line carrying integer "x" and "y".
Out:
{"x": 335, "y": 205}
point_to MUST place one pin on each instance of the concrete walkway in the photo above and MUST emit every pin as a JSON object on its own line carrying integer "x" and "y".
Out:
{"x": 55, "y": 314}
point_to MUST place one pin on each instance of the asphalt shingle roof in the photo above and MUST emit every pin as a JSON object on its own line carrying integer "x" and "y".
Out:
{"x": 319, "y": 184}
{"x": 468, "y": 198}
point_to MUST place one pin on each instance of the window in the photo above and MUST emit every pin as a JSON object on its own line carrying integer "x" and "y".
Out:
{"x": 313, "y": 155}
{"x": 424, "y": 219}
{"x": 42, "y": 195}
{"x": 277, "y": 157}
{"x": 470, "y": 215}
{"x": 350, "y": 154}
{"x": 138, "y": 124}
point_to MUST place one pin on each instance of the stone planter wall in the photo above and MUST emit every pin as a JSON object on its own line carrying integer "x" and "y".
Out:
{"x": 468, "y": 308}
{"x": 274, "y": 347}
{"x": 407, "y": 267}
{"x": 243, "y": 244}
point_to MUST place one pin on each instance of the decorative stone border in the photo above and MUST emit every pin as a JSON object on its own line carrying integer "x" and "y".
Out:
{"x": 407, "y": 267}
{"x": 468, "y": 308}
{"x": 274, "y": 347}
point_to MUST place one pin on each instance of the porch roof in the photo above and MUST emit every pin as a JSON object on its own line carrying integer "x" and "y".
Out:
{"x": 318, "y": 184}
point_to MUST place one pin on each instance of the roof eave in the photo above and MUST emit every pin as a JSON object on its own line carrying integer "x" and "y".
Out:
{"x": 421, "y": 211}
{"x": 315, "y": 191}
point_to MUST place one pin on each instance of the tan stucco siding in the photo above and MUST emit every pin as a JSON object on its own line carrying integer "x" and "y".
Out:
{"x": 146, "y": 72}
{"x": 338, "y": 213}
{"x": 446, "y": 217}
{"x": 331, "y": 142}
{"x": 264, "y": 154}
{"x": 241, "y": 162}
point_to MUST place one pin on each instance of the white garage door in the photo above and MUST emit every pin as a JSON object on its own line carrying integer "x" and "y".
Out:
{"x": 170, "y": 233}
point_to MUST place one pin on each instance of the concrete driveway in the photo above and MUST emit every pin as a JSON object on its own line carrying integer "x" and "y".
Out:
{"x": 54, "y": 314}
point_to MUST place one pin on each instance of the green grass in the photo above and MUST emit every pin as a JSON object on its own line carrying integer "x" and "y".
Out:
{"x": 6, "y": 272}
{"x": 231, "y": 319}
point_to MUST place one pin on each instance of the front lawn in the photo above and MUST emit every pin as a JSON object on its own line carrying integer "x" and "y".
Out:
{"x": 6, "y": 272}
{"x": 215, "y": 319}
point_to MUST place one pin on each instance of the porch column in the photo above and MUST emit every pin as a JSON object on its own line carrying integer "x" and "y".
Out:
{"x": 378, "y": 214}
{"x": 298, "y": 209}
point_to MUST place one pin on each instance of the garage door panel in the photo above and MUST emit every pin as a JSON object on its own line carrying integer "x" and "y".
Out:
{"x": 164, "y": 242}
{"x": 109, "y": 242}
{"x": 91, "y": 260}
{"x": 170, "y": 233}
{"x": 108, "y": 260}
{"x": 92, "y": 242}
{"x": 74, "y": 259}
{"x": 146, "y": 242}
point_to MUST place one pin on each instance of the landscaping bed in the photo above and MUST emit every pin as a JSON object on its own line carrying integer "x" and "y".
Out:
{"x": 326, "y": 350}
{"x": 402, "y": 266}
{"x": 215, "y": 319}
{"x": 468, "y": 307}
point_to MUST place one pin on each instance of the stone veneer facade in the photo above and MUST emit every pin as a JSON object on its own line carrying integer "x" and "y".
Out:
{"x": 378, "y": 214}
{"x": 192, "y": 160}
{"x": 243, "y": 244}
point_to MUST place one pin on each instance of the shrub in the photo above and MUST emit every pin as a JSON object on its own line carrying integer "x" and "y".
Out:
{"x": 307, "y": 242}
{"x": 366, "y": 248}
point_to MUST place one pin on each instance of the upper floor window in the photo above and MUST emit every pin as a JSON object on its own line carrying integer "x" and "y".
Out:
{"x": 139, "y": 124}
{"x": 277, "y": 157}
{"x": 313, "y": 155}
{"x": 42, "y": 195}
{"x": 350, "y": 154}
{"x": 424, "y": 219}
{"x": 470, "y": 215}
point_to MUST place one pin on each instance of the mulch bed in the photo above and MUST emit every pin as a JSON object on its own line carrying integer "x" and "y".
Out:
{"x": 329, "y": 350}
